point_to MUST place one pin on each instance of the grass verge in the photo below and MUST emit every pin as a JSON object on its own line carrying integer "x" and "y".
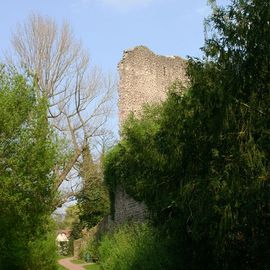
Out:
{"x": 92, "y": 267}
{"x": 77, "y": 261}
{"x": 60, "y": 267}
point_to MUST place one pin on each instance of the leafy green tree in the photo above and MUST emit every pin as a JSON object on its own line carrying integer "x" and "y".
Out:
{"x": 27, "y": 154}
{"x": 93, "y": 200}
{"x": 71, "y": 217}
{"x": 201, "y": 161}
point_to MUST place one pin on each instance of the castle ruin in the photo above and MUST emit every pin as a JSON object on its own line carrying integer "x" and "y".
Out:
{"x": 144, "y": 78}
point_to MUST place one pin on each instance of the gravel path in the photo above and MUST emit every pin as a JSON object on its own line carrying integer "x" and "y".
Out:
{"x": 69, "y": 265}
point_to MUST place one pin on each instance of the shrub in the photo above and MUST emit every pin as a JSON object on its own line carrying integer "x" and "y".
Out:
{"x": 136, "y": 246}
{"x": 89, "y": 250}
{"x": 43, "y": 253}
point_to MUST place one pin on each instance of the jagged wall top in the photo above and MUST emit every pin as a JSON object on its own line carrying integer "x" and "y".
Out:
{"x": 145, "y": 78}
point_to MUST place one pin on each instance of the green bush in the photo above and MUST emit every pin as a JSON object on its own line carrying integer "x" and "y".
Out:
{"x": 89, "y": 252}
{"x": 136, "y": 246}
{"x": 28, "y": 153}
{"x": 43, "y": 253}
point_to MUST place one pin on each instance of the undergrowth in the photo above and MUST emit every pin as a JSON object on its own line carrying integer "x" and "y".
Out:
{"x": 136, "y": 246}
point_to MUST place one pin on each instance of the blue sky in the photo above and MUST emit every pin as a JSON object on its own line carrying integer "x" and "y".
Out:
{"x": 107, "y": 27}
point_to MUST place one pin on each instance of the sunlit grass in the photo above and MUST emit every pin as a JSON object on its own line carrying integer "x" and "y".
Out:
{"x": 60, "y": 267}
{"x": 92, "y": 267}
{"x": 77, "y": 261}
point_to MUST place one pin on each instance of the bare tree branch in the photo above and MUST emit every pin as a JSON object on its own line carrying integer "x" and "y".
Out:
{"x": 79, "y": 96}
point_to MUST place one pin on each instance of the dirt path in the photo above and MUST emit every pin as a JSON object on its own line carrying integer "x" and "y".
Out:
{"x": 71, "y": 266}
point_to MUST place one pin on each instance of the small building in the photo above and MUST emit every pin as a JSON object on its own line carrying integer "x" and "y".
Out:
{"x": 63, "y": 234}
{"x": 61, "y": 237}
{"x": 62, "y": 241}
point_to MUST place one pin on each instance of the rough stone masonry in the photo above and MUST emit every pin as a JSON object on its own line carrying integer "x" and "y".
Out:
{"x": 144, "y": 78}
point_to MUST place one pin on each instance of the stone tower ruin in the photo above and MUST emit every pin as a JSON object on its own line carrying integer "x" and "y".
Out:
{"x": 144, "y": 78}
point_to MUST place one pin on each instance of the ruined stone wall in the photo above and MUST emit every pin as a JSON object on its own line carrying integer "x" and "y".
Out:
{"x": 144, "y": 78}
{"x": 127, "y": 209}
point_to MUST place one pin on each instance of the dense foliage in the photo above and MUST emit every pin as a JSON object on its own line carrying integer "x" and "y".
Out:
{"x": 133, "y": 247}
{"x": 93, "y": 199}
{"x": 201, "y": 161}
{"x": 27, "y": 155}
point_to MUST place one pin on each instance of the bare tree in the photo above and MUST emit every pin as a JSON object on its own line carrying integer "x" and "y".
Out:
{"x": 79, "y": 97}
